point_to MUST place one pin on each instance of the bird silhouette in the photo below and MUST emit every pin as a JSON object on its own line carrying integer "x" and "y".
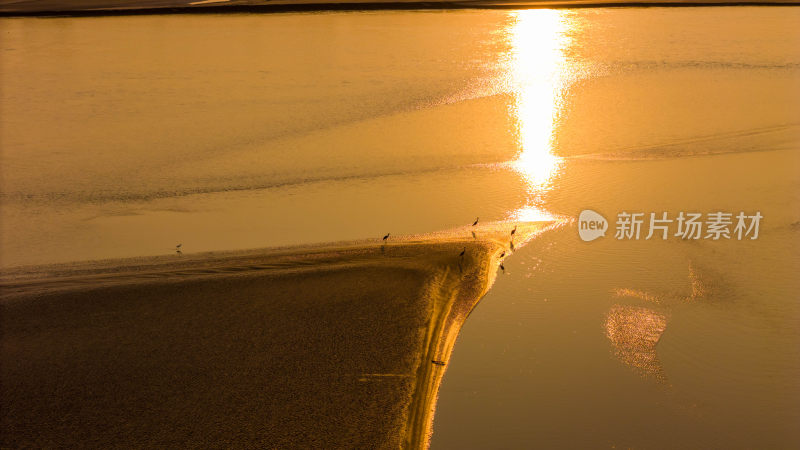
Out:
{"x": 462, "y": 253}
{"x": 385, "y": 238}
{"x": 514, "y": 230}
{"x": 503, "y": 254}
{"x": 476, "y": 221}
{"x": 178, "y": 246}
{"x": 502, "y": 267}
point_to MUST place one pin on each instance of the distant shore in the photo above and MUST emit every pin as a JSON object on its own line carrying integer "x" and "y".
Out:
{"x": 81, "y": 8}
{"x": 331, "y": 346}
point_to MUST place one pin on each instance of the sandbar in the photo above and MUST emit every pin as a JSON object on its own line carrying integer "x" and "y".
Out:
{"x": 324, "y": 346}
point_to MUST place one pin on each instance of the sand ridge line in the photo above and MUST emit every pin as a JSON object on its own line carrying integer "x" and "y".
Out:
{"x": 28, "y": 287}
{"x": 402, "y": 251}
{"x": 463, "y": 293}
{"x": 454, "y": 293}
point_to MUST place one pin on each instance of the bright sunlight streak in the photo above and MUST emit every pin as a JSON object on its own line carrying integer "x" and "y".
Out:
{"x": 538, "y": 70}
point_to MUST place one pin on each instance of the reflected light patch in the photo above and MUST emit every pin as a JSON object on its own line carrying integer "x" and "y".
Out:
{"x": 635, "y": 332}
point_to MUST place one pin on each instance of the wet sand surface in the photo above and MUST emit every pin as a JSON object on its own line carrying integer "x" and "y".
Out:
{"x": 324, "y": 347}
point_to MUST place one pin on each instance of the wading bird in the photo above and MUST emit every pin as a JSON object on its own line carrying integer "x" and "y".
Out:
{"x": 476, "y": 221}
{"x": 514, "y": 230}
{"x": 385, "y": 238}
{"x": 462, "y": 253}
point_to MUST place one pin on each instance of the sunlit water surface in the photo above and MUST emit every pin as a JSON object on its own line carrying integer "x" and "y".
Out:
{"x": 126, "y": 136}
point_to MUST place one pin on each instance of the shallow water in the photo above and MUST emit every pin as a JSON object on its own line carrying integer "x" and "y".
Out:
{"x": 640, "y": 344}
{"x": 125, "y": 136}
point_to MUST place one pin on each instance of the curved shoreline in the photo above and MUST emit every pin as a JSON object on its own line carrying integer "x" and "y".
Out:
{"x": 455, "y": 305}
{"x": 349, "y": 332}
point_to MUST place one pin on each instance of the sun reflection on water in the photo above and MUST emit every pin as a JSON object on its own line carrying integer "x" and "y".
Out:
{"x": 538, "y": 72}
